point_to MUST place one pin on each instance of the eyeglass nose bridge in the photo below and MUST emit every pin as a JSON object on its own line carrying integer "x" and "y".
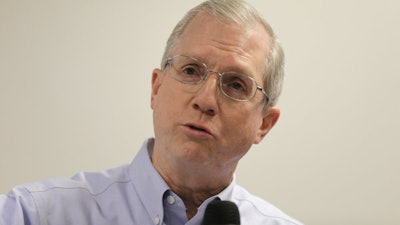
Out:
{"x": 219, "y": 79}
{"x": 207, "y": 74}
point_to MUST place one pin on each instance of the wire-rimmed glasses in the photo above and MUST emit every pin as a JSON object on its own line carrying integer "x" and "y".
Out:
{"x": 236, "y": 86}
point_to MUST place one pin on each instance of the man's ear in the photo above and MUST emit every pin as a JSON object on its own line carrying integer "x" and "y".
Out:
{"x": 156, "y": 80}
{"x": 270, "y": 117}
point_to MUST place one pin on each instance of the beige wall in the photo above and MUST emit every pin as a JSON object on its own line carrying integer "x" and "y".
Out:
{"x": 75, "y": 83}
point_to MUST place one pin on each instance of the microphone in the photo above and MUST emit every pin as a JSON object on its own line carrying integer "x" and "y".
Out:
{"x": 221, "y": 213}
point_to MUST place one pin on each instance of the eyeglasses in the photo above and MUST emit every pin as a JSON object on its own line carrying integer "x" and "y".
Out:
{"x": 236, "y": 86}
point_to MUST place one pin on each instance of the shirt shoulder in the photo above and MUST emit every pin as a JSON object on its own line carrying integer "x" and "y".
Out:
{"x": 92, "y": 182}
{"x": 255, "y": 210}
{"x": 73, "y": 200}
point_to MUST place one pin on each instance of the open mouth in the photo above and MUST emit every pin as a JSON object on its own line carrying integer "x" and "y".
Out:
{"x": 198, "y": 131}
{"x": 197, "y": 128}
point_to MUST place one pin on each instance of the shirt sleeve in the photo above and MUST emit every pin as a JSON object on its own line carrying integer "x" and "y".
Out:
{"x": 18, "y": 208}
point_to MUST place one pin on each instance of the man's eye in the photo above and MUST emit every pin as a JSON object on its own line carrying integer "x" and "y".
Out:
{"x": 238, "y": 86}
{"x": 189, "y": 70}
{"x": 235, "y": 84}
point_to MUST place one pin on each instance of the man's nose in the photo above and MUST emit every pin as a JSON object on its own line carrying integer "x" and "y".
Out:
{"x": 206, "y": 98}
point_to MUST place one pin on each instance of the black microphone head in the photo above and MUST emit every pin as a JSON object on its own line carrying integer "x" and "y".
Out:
{"x": 221, "y": 213}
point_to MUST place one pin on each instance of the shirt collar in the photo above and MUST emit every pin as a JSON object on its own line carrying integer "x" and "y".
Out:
{"x": 151, "y": 188}
{"x": 147, "y": 181}
{"x": 226, "y": 194}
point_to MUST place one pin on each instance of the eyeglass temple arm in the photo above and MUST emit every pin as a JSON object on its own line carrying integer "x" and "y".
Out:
{"x": 265, "y": 93}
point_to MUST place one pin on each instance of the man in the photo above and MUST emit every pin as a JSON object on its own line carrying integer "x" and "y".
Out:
{"x": 213, "y": 97}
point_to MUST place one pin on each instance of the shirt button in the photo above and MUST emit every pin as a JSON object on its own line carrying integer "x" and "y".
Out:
{"x": 171, "y": 199}
{"x": 156, "y": 221}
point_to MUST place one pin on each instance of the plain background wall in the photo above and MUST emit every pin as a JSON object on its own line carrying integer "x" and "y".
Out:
{"x": 75, "y": 92}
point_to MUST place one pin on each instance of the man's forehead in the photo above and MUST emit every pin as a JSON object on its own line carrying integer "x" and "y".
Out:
{"x": 248, "y": 43}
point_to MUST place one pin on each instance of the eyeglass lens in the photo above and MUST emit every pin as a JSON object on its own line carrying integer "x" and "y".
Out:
{"x": 191, "y": 71}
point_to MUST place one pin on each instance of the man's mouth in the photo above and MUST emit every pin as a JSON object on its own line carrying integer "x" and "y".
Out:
{"x": 199, "y": 128}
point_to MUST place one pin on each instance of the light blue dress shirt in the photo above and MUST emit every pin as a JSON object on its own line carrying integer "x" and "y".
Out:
{"x": 133, "y": 194}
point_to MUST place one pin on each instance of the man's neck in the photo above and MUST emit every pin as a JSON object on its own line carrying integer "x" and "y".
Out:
{"x": 194, "y": 197}
{"x": 193, "y": 188}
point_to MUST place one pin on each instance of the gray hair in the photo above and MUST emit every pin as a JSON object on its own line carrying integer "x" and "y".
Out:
{"x": 239, "y": 12}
